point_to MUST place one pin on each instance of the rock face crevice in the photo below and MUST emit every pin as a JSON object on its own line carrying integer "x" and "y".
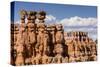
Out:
{"x": 35, "y": 42}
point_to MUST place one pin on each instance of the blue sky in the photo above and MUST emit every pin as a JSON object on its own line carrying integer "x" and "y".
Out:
{"x": 59, "y": 11}
{"x": 73, "y": 17}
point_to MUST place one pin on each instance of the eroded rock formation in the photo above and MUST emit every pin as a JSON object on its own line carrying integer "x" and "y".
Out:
{"x": 35, "y": 42}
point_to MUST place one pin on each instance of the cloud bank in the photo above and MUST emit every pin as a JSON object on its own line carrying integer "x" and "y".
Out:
{"x": 79, "y": 21}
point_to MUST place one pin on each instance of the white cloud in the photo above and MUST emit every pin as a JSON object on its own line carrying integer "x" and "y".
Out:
{"x": 50, "y": 19}
{"x": 79, "y": 21}
{"x": 72, "y": 21}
